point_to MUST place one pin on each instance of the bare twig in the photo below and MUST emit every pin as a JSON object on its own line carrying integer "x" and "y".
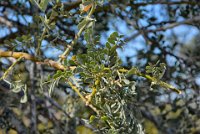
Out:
{"x": 82, "y": 97}
{"x": 170, "y": 26}
{"x": 10, "y": 68}
{"x": 54, "y": 103}
{"x": 5, "y": 22}
{"x": 73, "y": 43}
{"x": 165, "y": 3}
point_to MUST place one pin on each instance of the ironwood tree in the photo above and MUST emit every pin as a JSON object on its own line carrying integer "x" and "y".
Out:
{"x": 99, "y": 66}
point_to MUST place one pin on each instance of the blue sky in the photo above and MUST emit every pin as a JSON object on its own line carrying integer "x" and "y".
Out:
{"x": 184, "y": 33}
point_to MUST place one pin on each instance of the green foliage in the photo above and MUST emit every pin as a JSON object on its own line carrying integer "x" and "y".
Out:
{"x": 84, "y": 87}
{"x": 155, "y": 71}
{"x": 42, "y": 4}
{"x": 113, "y": 92}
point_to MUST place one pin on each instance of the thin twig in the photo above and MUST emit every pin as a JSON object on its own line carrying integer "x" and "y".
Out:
{"x": 164, "y": 3}
{"x": 82, "y": 97}
{"x": 6, "y": 22}
{"x": 154, "y": 80}
{"x": 73, "y": 43}
{"x": 54, "y": 103}
{"x": 10, "y": 68}
{"x": 40, "y": 41}
{"x": 170, "y": 26}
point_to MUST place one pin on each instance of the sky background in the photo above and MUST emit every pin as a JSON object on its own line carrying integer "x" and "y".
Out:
{"x": 184, "y": 34}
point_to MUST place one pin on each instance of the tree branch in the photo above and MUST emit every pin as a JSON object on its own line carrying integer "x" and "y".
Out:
{"x": 68, "y": 6}
{"x": 83, "y": 98}
{"x": 165, "y": 3}
{"x": 73, "y": 43}
{"x": 164, "y": 28}
{"x": 5, "y": 22}
{"x": 27, "y": 56}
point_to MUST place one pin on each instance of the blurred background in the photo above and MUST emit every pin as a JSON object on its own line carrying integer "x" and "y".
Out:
{"x": 165, "y": 30}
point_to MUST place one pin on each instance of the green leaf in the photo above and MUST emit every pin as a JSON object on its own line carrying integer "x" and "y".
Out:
{"x": 148, "y": 67}
{"x": 83, "y": 130}
{"x": 65, "y": 62}
{"x": 132, "y": 90}
{"x": 24, "y": 97}
{"x": 113, "y": 37}
{"x": 108, "y": 45}
{"x": 43, "y": 5}
{"x": 97, "y": 39}
{"x": 82, "y": 24}
{"x": 97, "y": 68}
{"x": 19, "y": 39}
{"x": 71, "y": 63}
{"x": 162, "y": 65}
{"x": 89, "y": 80}
{"x": 79, "y": 69}
{"x": 92, "y": 117}
{"x": 126, "y": 81}
{"x": 16, "y": 89}
{"x": 104, "y": 118}
{"x": 113, "y": 49}
{"x": 111, "y": 40}
{"x": 88, "y": 36}
{"x": 58, "y": 74}
{"x": 148, "y": 71}
{"x": 133, "y": 70}
{"x": 53, "y": 15}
